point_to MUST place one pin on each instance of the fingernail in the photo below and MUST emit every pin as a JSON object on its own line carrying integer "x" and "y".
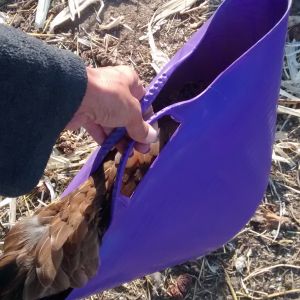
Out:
{"x": 152, "y": 135}
{"x": 143, "y": 148}
{"x": 118, "y": 158}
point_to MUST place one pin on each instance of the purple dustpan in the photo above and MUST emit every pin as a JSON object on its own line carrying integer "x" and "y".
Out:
{"x": 210, "y": 177}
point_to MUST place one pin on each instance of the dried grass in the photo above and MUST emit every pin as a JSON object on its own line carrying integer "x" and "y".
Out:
{"x": 263, "y": 260}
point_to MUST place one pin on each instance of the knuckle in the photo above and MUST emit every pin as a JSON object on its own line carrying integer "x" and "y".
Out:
{"x": 124, "y": 69}
{"x": 129, "y": 73}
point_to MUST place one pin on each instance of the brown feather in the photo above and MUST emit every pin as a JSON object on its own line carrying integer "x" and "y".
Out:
{"x": 57, "y": 249}
{"x": 59, "y": 233}
{"x": 45, "y": 269}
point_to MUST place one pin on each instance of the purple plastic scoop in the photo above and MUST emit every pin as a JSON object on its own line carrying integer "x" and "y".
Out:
{"x": 208, "y": 180}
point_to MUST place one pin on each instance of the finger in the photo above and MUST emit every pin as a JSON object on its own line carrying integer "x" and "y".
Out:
{"x": 108, "y": 130}
{"x": 137, "y": 128}
{"x": 148, "y": 113}
{"x": 138, "y": 91}
{"x": 96, "y": 131}
{"x": 142, "y": 132}
{"x": 129, "y": 71}
{"x": 143, "y": 148}
{"x": 135, "y": 84}
{"x": 122, "y": 145}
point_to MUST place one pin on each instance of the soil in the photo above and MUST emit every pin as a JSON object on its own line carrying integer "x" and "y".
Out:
{"x": 263, "y": 260}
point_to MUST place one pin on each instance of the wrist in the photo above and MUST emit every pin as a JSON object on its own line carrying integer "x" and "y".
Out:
{"x": 92, "y": 94}
{"x": 83, "y": 114}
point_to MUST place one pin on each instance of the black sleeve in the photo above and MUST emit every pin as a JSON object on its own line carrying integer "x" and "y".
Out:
{"x": 41, "y": 87}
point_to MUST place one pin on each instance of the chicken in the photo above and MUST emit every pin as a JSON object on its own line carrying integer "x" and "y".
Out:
{"x": 57, "y": 248}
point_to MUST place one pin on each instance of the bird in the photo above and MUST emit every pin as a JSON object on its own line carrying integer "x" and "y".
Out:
{"x": 56, "y": 249}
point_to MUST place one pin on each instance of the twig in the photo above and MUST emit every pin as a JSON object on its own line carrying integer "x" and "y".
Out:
{"x": 5, "y": 202}
{"x": 28, "y": 4}
{"x": 100, "y": 11}
{"x": 290, "y": 111}
{"x": 114, "y": 23}
{"x": 41, "y": 12}
{"x": 289, "y": 101}
{"x": 244, "y": 286}
{"x": 50, "y": 188}
{"x": 202, "y": 7}
{"x": 267, "y": 269}
{"x": 199, "y": 276}
{"x": 283, "y": 293}
{"x": 12, "y": 212}
{"x": 293, "y": 215}
{"x": 47, "y": 23}
{"x": 65, "y": 14}
{"x": 270, "y": 296}
{"x": 41, "y": 35}
{"x": 289, "y": 187}
{"x": 289, "y": 95}
{"x": 269, "y": 239}
{"x": 250, "y": 297}
{"x": 228, "y": 281}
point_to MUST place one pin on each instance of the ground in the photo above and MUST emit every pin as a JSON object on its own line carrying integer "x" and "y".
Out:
{"x": 263, "y": 260}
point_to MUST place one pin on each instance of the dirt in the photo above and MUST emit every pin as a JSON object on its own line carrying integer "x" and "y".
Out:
{"x": 129, "y": 48}
{"x": 269, "y": 243}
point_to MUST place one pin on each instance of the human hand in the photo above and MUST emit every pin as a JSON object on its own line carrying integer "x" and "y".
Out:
{"x": 112, "y": 100}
